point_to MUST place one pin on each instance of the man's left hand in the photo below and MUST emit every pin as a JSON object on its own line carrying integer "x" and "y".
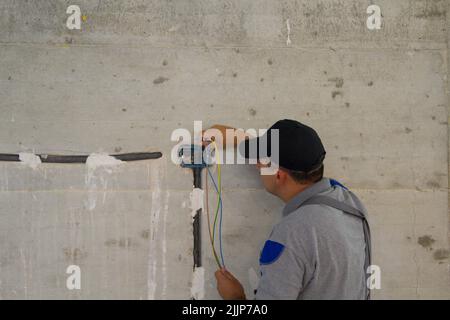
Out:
{"x": 228, "y": 286}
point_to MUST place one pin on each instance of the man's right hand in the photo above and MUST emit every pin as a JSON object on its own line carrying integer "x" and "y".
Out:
{"x": 218, "y": 134}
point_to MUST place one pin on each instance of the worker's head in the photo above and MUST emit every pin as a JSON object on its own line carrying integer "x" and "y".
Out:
{"x": 296, "y": 160}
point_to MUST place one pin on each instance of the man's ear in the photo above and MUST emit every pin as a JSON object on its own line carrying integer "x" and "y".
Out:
{"x": 281, "y": 176}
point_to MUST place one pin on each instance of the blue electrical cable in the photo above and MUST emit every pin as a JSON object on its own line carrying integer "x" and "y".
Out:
{"x": 219, "y": 192}
{"x": 220, "y": 228}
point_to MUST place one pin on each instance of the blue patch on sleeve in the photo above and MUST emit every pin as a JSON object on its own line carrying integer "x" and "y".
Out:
{"x": 271, "y": 252}
{"x": 337, "y": 183}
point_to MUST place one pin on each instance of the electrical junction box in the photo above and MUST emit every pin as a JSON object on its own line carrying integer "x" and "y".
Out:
{"x": 196, "y": 156}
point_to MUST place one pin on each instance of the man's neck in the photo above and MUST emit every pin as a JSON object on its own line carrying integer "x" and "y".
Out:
{"x": 293, "y": 191}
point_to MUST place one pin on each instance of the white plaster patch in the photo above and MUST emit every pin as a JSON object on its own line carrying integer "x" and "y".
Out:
{"x": 164, "y": 244}
{"x": 96, "y": 160}
{"x": 157, "y": 273}
{"x": 94, "y": 178}
{"x": 196, "y": 197}
{"x": 288, "y": 26}
{"x": 198, "y": 283}
{"x": 30, "y": 159}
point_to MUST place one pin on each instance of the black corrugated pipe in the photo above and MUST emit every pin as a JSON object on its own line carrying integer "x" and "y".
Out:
{"x": 49, "y": 158}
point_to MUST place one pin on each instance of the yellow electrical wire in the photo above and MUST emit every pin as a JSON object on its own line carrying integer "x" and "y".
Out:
{"x": 209, "y": 223}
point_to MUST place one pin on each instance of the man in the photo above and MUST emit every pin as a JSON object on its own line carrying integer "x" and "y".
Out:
{"x": 321, "y": 247}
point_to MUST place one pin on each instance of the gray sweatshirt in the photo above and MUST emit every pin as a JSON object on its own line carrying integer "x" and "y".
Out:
{"x": 315, "y": 251}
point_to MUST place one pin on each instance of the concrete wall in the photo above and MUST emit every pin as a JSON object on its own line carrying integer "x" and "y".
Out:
{"x": 140, "y": 69}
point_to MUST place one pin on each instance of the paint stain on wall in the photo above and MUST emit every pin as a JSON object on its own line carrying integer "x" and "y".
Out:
{"x": 74, "y": 254}
{"x": 433, "y": 184}
{"x": 441, "y": 254}
{"x": 122, "y": 243}
{"x": 145, "y": 233}
{"x": 160, "y": 80}
{"x": 339, "y": 82}
{"x": 426, "y": 241}
{"x": 432, "y": 11}
{"x": 334, "y": 94}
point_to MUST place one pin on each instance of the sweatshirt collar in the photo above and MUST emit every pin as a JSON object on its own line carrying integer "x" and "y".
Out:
{"x": 297, "y": 200}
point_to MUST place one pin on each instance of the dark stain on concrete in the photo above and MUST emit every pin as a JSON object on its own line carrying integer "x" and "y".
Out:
{"x": 345, "y": 158}
{"x": 125, "y": 242}
{"x": 9, "y": 78}
{"x": 110, "y": 242}
{"x": 347, "y": 105}
{"x": 334, "y": 94}
{"x": 165, "y": 63}
{"x": 426, "y": 241}
{"x": 432, "y": 11}
{"x": 441, "y": 254}
{"x": 408, "y": 130}
{"x": 124, "y": 109}
{"x": 433, "y": 118}
{"x": 235, "y": 74}
{"x": 117, "y": 149}
{"x": 433, "y": 184}
{"x": 145, "y": 233}
{"x": 339, "y": 82}
{"x": 270, "y": 61}
{"x": 74, "y": 254}
{"x": 252, "y": 112}
{"x": 122, "y": 243}
{"x": 262, "y": 79}
{"x": 370, "y": 83}
{"x": 160, "y": 80}
{"x": 211, "y": 106}
{"x": 172, "y": 107}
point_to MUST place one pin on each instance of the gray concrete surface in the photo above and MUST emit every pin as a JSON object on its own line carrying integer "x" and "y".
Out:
{"x": 139, "y": 69}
